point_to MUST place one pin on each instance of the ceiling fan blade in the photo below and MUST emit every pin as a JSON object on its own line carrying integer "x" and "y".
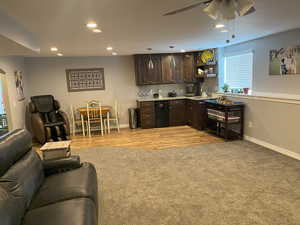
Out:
{"x": 188, "y": 8}
{"x": 243, "y": 6}
{"x": 2, "y": 71}
{"x": 251, "y": 10}
{"x": 227, "y": 10}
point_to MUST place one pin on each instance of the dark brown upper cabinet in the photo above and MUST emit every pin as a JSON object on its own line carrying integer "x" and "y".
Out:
{"x": 144, "y": 73}
{"x": 172, "y": 68}
{"x": 189, "y": 69}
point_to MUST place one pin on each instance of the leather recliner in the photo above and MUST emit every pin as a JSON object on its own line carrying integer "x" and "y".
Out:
{"x": 47, "y": 121}
{"x": 52, "y": 192}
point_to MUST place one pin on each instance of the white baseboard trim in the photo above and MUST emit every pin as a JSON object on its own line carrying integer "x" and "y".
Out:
{"x": 273, "y": 147}
{"x": 124, "y": 125}
{"x": 113, "y": 126}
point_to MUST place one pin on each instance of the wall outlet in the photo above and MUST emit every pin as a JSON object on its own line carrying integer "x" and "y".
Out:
{"x": 250, "y": 124}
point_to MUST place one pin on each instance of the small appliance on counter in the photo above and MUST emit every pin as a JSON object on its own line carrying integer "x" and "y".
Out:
{"x": 158, "y": 94}
{"x": 172, "y": 94}
{"x": 190, "y": 90}
{"x": 155, "y": 95}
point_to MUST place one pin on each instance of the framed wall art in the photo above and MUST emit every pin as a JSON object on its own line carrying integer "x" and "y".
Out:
{"x": 85, "y": 79}
{"x": 285, "y": 61}
{"x": 19, "y": 85}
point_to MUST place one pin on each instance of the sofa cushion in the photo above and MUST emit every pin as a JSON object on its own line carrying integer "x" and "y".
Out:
{"x": 13, "y": 146}
{"x": 12, "y": 208}
{"x": 23, "y": 179}
{"x": 77, "y": 183}
{"x": 80, "y": 211}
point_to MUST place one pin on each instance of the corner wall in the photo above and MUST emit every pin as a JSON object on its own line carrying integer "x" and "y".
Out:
{"x": 263, "y": 83}
{"x": 48, "y": 76}
{"x": 273, "y": 123}
{"x": 17, "y": 108}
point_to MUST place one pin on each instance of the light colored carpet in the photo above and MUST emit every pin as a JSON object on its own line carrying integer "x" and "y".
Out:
{"x": 233, "y": 183}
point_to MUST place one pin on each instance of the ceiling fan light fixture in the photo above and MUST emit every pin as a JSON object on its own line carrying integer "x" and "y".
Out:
{"x": 212, "y": 9}
{"x": 220, "y": 9}
{"x": 229, "y": 9}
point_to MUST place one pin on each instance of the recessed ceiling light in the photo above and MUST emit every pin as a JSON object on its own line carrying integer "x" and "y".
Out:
{"x": 91, "y": 25}
{"x": 54, "y": 49}
{"x": 224, "y": 31}
{"x": 219, "y": 25}
{"x": 182, "y": 50}
{"x": 97, "y": 31}
{"x": 114, "y": 53}
{"x": 59, "y": 54}
{"x": 109, "y": 48}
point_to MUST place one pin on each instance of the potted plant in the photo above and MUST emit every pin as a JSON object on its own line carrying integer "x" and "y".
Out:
{"x": 225, "y": 88}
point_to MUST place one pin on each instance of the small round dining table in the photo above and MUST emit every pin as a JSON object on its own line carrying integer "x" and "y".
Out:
{"x": 104, "y": 109}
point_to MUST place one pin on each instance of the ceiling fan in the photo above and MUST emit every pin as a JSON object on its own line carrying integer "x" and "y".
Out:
{"x": 221, "y": 9}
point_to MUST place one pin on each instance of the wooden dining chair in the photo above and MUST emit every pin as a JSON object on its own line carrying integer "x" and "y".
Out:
{"x": 94, "y": 116}
{"x": 114, "y": 117}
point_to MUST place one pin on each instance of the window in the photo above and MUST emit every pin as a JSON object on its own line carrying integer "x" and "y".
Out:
{"x": 238, "y": 70}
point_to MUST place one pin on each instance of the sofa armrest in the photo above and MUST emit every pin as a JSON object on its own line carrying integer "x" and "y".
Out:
{"x": 61, "y": 165}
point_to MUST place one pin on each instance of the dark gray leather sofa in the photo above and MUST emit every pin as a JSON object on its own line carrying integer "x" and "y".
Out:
{"x": 34, "y": 192}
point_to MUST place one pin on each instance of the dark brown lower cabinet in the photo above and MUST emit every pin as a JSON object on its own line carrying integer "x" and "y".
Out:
{"x": 189, "y": 112}
{"x": 199, "y": 115}
{"x": 181, "y": 112}
{"x": 147, "y": 114}
{"x": 196, "y": 114}
{"x": 177, "y": 112}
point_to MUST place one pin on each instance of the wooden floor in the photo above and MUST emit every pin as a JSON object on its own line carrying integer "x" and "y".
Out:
{"x": 151, "y": 139}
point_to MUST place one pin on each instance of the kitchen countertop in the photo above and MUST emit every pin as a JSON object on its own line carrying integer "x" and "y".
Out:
{"x": 196, "y": 98}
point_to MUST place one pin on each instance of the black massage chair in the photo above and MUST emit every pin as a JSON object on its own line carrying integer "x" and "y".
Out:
{"x": 47, "y": 121}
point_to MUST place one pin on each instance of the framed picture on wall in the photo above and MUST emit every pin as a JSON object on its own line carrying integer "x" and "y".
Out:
{"x": 19, "y": 85}
{"x": 85, "y": 79}
{"x": 285, "y": 61}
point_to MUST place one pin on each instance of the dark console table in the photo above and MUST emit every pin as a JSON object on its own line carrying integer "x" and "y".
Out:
{"x": 226, "y": 120}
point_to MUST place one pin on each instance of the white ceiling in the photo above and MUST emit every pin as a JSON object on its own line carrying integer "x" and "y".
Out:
{"x": 131, "y": 26}
{"x": 9, "y": 47}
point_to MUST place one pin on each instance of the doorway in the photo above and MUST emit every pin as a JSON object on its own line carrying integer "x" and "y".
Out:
{"x": 4, "y": 121}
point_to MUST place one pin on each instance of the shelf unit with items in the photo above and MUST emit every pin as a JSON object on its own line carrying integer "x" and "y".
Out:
{"x": 206, "y": 63}
{"x": 226, "y": 120}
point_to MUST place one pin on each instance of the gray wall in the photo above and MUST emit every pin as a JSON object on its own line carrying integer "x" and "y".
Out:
{"x": 272, "y": 122}
{"x": 262, "y": 81}
{"x": 48, "y": 76}
{"x": 16, "y": 108}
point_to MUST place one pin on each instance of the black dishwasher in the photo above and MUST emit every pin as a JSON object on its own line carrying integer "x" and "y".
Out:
{"x": 161, "y": 113}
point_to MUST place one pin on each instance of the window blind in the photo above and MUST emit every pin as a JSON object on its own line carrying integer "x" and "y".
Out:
{"x": 239, "y": 70}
